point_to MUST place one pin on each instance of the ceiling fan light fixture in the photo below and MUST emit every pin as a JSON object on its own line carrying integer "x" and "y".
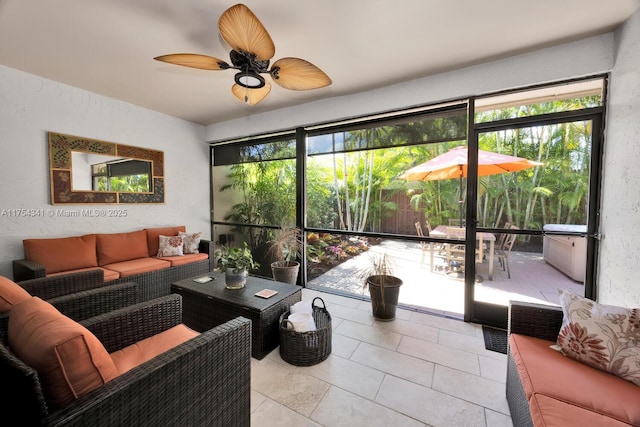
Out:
{"x": 251, "y": 52}
{"x": 249, "y": 79}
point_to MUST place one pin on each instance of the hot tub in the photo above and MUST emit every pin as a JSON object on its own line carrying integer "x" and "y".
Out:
{"x": 566, "y": 253}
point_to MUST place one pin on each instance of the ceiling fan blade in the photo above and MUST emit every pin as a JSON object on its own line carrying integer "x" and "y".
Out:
{"x": 298, "y": 74}
{"x": 242, "y": 30}
{"x": 194, "y": 60}
{"x": 251, "y": 96}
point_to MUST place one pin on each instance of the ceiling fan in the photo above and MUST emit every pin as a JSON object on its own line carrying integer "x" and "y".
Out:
{"x": 251, "y": 52}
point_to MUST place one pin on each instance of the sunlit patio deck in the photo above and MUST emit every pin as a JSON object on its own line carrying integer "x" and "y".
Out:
{"x": 532, "y": 279}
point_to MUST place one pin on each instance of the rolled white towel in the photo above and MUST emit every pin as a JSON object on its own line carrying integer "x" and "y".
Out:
{"x": 302, "y": 307}
{"x": 302, "y": 322}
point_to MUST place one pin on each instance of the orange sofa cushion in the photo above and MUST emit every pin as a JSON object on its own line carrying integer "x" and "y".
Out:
{"x": 137, "y": 266}
{"x": 108, "y": 274}
{"x": 153, "y": 236}
{"x": 69, "y": 359}
{"x": 62, "y": 254}
{"x": 550, "y": 412}
{"x": 142, "y": 351}
{"x": 118, "y": 247}
{"x": 183, "y": 259}
{"x": 11, "y": 294}
{"x": 546, "y": 372}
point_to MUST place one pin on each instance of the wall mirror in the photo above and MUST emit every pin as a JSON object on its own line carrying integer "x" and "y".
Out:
{"x": 84, "y": 170}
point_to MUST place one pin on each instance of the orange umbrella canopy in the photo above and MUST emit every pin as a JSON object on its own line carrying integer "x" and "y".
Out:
{"x": 453, "y": 164}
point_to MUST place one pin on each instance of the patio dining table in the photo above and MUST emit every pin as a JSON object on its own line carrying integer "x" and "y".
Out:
{"x": 441, "y": 231}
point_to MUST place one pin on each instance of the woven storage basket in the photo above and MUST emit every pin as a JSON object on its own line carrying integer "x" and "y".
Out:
{"x": 306, "y": 348}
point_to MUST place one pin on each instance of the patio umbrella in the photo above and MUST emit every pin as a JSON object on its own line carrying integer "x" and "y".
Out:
{"x": 453, "y": 164}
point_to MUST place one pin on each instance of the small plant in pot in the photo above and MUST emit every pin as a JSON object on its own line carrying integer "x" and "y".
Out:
{"x": 384, "y": 287}
{"x": 235, "y": 263}
{"x": 285, "y": 249}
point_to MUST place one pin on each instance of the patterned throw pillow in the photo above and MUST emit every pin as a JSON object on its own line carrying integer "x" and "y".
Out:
{"x": 191, "y": 242}
{"x": 170, "y": 246}
{"x": 605, "y": 337}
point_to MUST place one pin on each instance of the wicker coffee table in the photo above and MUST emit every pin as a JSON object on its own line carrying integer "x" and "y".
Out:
{"x": 210, "y": 304}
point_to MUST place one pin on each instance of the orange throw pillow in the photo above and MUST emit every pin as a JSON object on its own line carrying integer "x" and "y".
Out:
{"x": 69, "y": 359}
{"x": 11, "y": 294}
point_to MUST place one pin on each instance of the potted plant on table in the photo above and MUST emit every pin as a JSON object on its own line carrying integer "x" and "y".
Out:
{"x": 285, "y": 248}
{"x": 384, "y": 287}
{"x": 235, "y": 263}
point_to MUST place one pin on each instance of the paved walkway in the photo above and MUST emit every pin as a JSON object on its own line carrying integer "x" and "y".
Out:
{"x": 532, "y": 279}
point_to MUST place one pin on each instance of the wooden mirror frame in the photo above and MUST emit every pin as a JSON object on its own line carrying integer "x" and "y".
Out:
{"x": 60, "y": 148}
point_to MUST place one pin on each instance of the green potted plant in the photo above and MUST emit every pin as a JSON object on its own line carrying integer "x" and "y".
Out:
{"x": 384, "y": 287}
{"x": 235, "y": 263}
{"x": 284, "y": 250}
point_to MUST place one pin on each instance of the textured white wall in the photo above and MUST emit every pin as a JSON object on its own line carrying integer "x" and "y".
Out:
{"x": 619, "y": 261}
{"x": 31, "y": 106}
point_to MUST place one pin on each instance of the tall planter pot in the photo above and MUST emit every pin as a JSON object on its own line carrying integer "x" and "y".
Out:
{"x": 384, "y": 291}
{"x": 285, "y": 271}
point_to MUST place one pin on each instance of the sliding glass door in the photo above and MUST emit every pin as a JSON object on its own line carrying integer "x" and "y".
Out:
{"x": 540, "y": 220}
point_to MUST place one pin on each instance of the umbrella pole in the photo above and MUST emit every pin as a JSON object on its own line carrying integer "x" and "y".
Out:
{"x": 460, "y": 201}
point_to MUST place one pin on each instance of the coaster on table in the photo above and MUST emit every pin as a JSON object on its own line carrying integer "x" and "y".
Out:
{"x": 266, "y": 293}
{"x": 203, "y": 279}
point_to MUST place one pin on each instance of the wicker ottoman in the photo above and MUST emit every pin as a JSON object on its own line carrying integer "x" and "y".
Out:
{"x": 210, "y": 304}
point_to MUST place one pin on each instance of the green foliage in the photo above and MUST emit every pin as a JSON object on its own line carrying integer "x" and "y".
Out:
{"x": 125, "y": 184}
{"x": 238, "y": 259}
{"x": 286, "y": 245}
{"x": 268, "y": 196}
{"x": 347, "y": 186}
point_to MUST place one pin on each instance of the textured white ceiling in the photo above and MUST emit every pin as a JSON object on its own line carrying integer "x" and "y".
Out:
{"x": 108, "y": 46}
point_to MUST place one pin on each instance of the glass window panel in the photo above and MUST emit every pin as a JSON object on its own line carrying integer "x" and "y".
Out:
{"x": 365, "y": 190}
{"x": 230, "y": 154}
{"x": 554, "y": 193}
{"x": 549, "y": 99}
{"x": 431, "y": 127}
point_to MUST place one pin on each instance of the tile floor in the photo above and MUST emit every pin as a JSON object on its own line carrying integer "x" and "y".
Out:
{"x": 418, "y": 370}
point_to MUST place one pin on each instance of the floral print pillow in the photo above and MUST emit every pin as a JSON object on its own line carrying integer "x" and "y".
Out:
{"x": 605, "y": 337}
{"x": 170, "y": 246}
{"x": 191, "y": 242}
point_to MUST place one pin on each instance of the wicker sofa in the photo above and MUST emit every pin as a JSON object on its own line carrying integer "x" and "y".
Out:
{"x": 203, "y": 381}
{"x": 546, "y": 388}
{"x": 122, "y": 258}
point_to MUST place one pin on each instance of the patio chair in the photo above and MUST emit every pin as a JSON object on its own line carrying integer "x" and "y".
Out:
{"x": 78, "y": 296}
{"x": 438, "y": 248}
{"x": 423, "y": 245}
{"x": 500, "y": 238}
{"x": 504, "y": 251}
{"x": 455, "y": 253}
{"x": 205, "y": 380}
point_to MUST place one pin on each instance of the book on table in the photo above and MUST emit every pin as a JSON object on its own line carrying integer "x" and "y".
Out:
{"x": 266, "y": 293}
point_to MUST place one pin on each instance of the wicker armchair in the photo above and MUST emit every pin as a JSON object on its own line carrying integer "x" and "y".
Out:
{"x": 78, "y": 296}
{"x": 535, "y": 320}
{"x": 63, "y": 284}
{"x": 85, "y": 304}
{"x": 204, "y": 381}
